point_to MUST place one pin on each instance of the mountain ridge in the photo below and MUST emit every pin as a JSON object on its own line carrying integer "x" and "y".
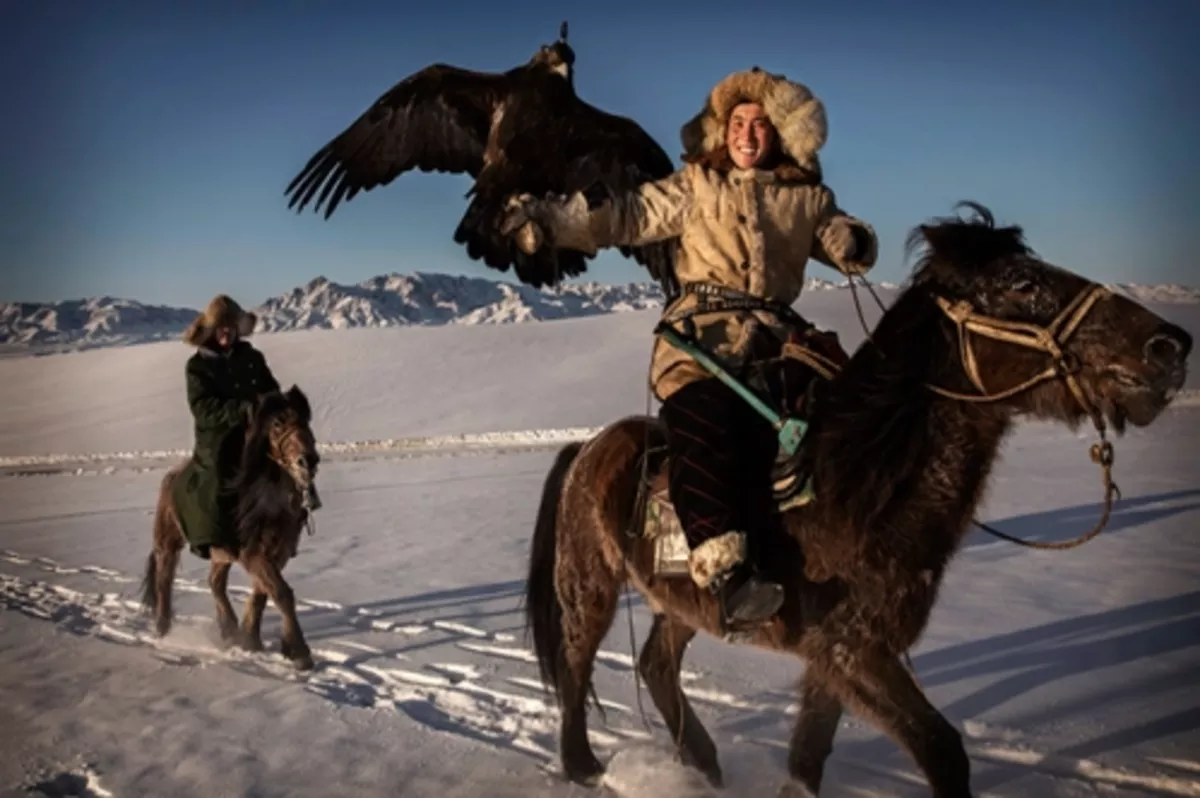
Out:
{"x": 386, "y": 300}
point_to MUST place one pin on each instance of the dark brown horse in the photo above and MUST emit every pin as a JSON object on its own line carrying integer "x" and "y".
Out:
{"x": 902, "y": 442}
{"x": 279, "y": 465}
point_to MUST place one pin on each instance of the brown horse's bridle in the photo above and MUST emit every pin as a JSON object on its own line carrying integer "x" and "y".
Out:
{"x": 279, "y": 442}
{"x": 1049, "y": 339}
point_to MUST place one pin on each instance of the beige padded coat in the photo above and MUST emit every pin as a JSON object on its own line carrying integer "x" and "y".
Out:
{"x": 750, "y": 230}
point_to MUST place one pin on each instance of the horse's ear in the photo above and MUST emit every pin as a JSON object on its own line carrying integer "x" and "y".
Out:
{"x": 299, "y": 401}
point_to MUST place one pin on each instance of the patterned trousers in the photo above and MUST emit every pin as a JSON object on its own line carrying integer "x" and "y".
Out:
{"x": 722, "y": 451}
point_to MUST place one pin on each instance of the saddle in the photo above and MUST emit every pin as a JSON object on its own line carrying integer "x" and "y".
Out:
{"x": 791, "y": 375}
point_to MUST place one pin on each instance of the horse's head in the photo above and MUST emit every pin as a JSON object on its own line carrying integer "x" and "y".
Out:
{"x": 1038, "y": 338}
{"x": 281, "y": 432}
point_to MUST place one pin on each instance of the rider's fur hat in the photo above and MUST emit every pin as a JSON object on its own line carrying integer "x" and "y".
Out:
{"x": 797, "y": 115}
{"x": 222, "y": 311}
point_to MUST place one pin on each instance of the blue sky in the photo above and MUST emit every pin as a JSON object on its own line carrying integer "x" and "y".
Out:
{"x": 146, "y": 146}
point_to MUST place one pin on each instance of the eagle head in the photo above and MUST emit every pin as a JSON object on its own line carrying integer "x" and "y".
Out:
{"x": 557, "y": 57}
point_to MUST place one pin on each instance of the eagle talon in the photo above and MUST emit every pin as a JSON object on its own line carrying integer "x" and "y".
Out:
{"x": 530, "y": 237}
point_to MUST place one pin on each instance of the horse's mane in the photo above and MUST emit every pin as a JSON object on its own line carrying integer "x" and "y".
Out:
{"x": 871, "y": 424}
{"x": 951, "y": 250}
{"x": 261, "y": 486}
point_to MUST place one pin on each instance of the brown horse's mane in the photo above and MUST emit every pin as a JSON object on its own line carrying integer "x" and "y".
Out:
{"x": 871, "y": 428}
{"x": 262, "y": 488}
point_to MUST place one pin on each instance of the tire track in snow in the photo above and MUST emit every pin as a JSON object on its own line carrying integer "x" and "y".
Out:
{"x": 983, "y": 749}
{"x": 356, "y": 617}
{"x": 455, "y": 697}
{"x": 452, "y": 697}
{"x": 449, "y": 697}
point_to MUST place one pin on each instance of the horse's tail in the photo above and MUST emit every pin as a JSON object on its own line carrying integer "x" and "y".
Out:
{"x": 543, "y": 611}
{"x": 163, "y": 560}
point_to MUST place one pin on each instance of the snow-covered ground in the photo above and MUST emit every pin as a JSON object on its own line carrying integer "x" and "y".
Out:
{"x": 1071, "y": 673}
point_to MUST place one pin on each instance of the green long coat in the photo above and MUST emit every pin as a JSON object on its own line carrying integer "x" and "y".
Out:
{"x": 222, "y": 389}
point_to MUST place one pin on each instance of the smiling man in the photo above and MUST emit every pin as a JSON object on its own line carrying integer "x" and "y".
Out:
{"x": 750, "y": 209}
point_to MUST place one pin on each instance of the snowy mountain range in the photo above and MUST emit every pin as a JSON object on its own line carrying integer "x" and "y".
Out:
{"x": 392, "y": 300}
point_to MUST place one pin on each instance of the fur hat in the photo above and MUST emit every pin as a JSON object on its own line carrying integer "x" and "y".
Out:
{"x": 797, "y": 115}
{"x": 222, "y": 311}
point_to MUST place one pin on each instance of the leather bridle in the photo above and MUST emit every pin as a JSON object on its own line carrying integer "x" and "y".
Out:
{"x": 1051, "y": 340}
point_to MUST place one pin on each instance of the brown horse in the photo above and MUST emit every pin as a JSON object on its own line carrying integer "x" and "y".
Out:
{"x": 902, "y": 441}
{"x": 279, "y": 465}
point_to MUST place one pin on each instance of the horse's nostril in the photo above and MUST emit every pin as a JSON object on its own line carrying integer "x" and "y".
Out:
{"x": 1169, "y": 345}
{"x": 302, "y": 461}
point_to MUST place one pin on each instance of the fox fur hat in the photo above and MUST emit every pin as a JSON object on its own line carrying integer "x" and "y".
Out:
{"x": 222, "y": 311}
{"x": 797, "y": 115}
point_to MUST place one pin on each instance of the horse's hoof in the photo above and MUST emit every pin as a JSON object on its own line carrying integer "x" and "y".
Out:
{"x": 708, "y": 766}
{"x": 795, "y": 789}
{"x": 587, "y": 780}
{"x": 250, "y": 643}
{"x": 229, "y": 636}
{"x": 300, "y": 656}
{"x": 589, "y": 775}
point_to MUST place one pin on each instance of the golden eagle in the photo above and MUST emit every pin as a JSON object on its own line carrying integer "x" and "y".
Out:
{"x": 520, "y": 131}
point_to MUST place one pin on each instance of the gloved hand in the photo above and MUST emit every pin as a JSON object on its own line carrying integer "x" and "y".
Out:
{"x": 524, "y": 220}
{"x": 853, "y": 248}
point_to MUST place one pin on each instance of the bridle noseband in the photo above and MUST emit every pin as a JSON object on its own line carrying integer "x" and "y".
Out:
{"x": 279, "y": 440}
{"x": 1049, "y": 339}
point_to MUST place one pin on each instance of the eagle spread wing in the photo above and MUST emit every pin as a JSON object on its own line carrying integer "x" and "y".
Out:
{"x": 561, "y": 149}
{"x": 615, "y": 154}
{"x": 436, "y": 120}
{"x": 441, "y": 119}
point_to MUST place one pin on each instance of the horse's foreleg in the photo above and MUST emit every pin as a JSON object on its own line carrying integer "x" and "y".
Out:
{"x": 812, "y": 736}
{"x": 267, "y": 575}
{"x": 218, "y": 583}
{"x": 659, "y": 663}
{"x": 881, "y": 686}
{"x": 251, "y": 631}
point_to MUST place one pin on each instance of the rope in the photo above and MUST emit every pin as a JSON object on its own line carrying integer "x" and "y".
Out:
{"x": 1102, "y": 455}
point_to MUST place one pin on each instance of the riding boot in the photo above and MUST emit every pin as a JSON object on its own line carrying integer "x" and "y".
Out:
{"x": 703, "y": 434}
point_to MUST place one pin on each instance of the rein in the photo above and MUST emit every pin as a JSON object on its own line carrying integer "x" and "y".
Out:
{"x": 1064, "y": 365}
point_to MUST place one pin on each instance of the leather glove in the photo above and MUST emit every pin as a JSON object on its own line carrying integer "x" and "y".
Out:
{"x": 523, "y": 220}
{"x": 852, "y": 247}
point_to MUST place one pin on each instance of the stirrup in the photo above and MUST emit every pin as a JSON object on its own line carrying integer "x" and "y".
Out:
{"x": 790, "y": 487}
{"x": 769, "y": 599}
